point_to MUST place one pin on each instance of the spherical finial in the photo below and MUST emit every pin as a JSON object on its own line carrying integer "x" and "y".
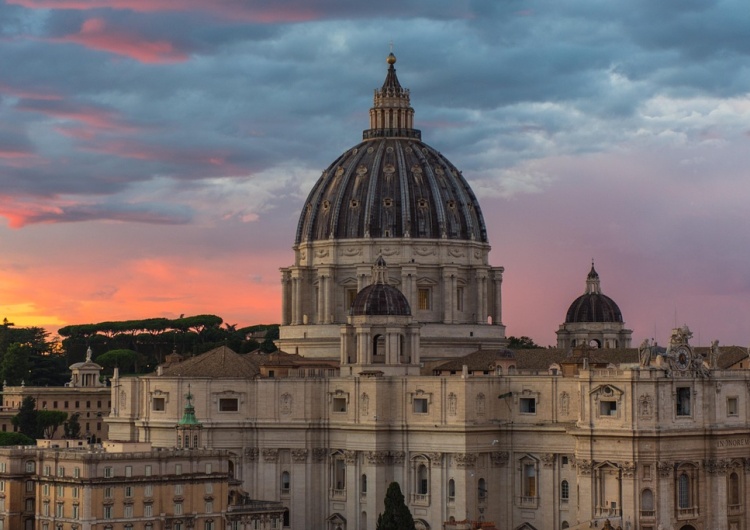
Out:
{"x": 391, "y": 58}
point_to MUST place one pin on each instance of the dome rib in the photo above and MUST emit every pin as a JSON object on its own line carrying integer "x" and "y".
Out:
{"x": 439, "y": 207}
{"x": 406, "y": 224}
{"x": 371, "y": 191}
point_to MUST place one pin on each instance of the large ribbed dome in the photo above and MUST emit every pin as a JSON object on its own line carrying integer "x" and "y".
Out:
{"x": 392, "y": 184}
{"x": 593, "y": 306}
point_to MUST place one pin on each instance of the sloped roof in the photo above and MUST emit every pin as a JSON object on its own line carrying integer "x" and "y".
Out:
{"x": 542, "y": 358}
{"x": 476, "y": 361}
{"x": 221, "y": 362}
{"x": 730, "y": 355}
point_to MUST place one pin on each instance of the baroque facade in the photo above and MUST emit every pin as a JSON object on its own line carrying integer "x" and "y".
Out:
{"x": 392, "y": 294}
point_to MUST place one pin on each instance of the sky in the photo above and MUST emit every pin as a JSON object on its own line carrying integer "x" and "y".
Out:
{"x": 154, "y": 154}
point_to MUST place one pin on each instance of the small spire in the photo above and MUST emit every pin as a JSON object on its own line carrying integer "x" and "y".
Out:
{"x": 380, "y": 271}
{"x": 593, "y": 285}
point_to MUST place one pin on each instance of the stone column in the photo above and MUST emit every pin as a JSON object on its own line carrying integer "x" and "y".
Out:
{"x": 497, "y": 314}
{"x": 481, "y": 297}
{"x": 285, "y": 298}
{"x": 321, "y": 309}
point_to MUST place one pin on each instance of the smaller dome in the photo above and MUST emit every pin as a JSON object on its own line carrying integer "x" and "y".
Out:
{"x": 380, "y": 299}
{"x": 593, "y": 306}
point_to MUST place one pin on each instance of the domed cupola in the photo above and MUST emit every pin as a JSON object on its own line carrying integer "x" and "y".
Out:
{"x": 593, "y": 306}
{"x": 392, "y": 185}
{"x": 593, "y": 319}
{"x": 396, "y": 197}
{"x": 379, "y": 298}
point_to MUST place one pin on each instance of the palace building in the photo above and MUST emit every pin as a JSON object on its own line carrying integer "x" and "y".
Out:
{"x": 396, "y": 369}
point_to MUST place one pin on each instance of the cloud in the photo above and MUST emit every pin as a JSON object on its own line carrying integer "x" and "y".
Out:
{"x": 96, "y": 34}
{"x": 23, "y": 213}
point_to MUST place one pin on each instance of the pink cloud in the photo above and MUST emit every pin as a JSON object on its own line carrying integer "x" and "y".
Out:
{"x": 96, "y": 35}
{"x": 90, "y": 115}
{"x": 25, "y": 93}
{"x": 228, "y": 9}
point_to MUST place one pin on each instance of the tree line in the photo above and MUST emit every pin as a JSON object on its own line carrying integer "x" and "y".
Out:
{"x": 28, "y": 355}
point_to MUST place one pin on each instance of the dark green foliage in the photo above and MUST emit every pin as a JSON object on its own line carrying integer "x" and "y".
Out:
{"x": 15, "y": 438}
{"x": 155, "y": 338}
{"x": 14, "y": 368}
{"x": 396, "y": 515}
{"x": 26, "y": 419}
{"x": 125, "y": 360}
{"x": 522, "y": 343}
{"x": 48, "y": 421}
{"x": 72, "y": 427}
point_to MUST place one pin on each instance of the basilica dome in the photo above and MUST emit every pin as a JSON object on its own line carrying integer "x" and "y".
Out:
{"x": 593, "y": 306}
{"x": 391, "y": 185}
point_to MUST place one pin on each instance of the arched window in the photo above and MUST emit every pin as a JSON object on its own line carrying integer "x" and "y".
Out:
{"x": 482, "y": 489}
{"x": 422, "y": 483}
{"x": 683, "y": 491}
{"x": 647, "y": 503}
{"x": 451, "y": 490}
{"x": 363, "y": 484}
{"x": 285, "y": 482}
{"x": 564, "y": 491}
{"x": 734, "y": 490}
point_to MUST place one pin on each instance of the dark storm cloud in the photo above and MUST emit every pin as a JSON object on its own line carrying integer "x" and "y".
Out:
{"x": 231, "y": 90}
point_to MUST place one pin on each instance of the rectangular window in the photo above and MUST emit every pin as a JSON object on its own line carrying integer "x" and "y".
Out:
{"x": 45, "y": 509}
{"x": 65, "y": 405}
{"x": 339, "y": 404}
{"x": 178, "y": 508}
{"x": 60, "y": 471}
{"x": 109, "y": 472}
{"x": 148, "y": 490}
{"x": 528, "y": 405}
{"x": 229, "y": 405}
{"x": 529, "y": 480}
{"x": 128, "y": 491}
{"x": 59, "y": 510}
{"x": 208, "y": 469}
{"x": 2, "y": 486}
{"x": 424, "y": 299}
{"x": 420, "y": 405}
{"x": 209, "y": 507}
{"x": 61, "y": 491}
{"x": 733, "y": 406}
{"x": 178, "y": 469}
{"x": 148, "y": 510}
{"x": 158, "y": 404}
{"x": 178, "y": 489}
{"x": 29, "y": 486}
{"x": 47, "y": 471}
{"x": 54, "y": 405}
{"x": 148, "y": 471}
{"x": 209, "y": 487}
{"x": 75, "y": 492}
{"x": 75, "y": 511}
{"x": 107, "y": 512}
{"x": 128, "y": 512}
{"x": 608, "y": 408}
{"x": 460, "y": 299}
{"x": 128, "y": 471}
{"x": 77, "y": 472}
{"x": 45, "y": 489}
{"x": 683, "y": 401}
{"x": 108, "y": 492}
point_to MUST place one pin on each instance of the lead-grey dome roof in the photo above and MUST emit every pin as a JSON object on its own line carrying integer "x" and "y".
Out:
{"x": 392, "y": 184}
{"x": 593, "y": 306}
{"x": 380, "y": 298}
